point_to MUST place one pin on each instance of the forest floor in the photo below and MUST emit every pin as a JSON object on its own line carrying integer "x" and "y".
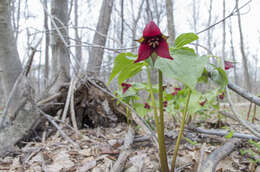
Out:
{"x": 100, "y": 147}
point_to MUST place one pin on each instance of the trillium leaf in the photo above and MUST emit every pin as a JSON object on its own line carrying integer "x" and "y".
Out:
{"x": 184, "y": 39}
{"x": 184, "y": 68}
{"x": 219, "y": 76}
{"x": 124, "y": 67}
{"x": 129, "y": 70}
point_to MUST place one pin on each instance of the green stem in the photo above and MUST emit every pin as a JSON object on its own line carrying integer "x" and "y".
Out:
{"x": 162, "y": 149}
{"x": 180, "y": 133}
{"x": 161, "y": 106}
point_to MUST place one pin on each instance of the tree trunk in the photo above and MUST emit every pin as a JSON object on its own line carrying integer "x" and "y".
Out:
{"x": 16, "y": 124}
{"x": 236, "y": 78}
{"x": 195, "y": 11}
{"x": 136, "y": 20}
{"x": 244, "y": 58}
{"x": 78, "y": 50}
{"x": 209, "y": 39}
{"x": 47, "y": 44}
{"x": 96, "y": 54}
{"x": 60, "y": 54}
{"x": 122, "y": 24}
{"x": 224, "y": 31}
{"x": 170, "y": 21}
{"x": 9, "y": 59}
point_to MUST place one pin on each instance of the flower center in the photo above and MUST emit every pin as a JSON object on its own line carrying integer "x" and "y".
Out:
{"x": 153, "y": 42}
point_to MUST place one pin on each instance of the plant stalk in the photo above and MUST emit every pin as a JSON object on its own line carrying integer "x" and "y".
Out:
{"x": 180, "y": 133}
{"x": 162, "y": 149}
{"x": 161, "y": 106}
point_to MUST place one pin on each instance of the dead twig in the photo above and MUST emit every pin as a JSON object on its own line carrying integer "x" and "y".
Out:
{"x": 120, "y": 163}
{"x": 219, "y": 154}
{"x": 202, "y": 156}
{"x": 58, "y": 128}
{"x": 223, "y": 133}
{"x": 72, "y": 109}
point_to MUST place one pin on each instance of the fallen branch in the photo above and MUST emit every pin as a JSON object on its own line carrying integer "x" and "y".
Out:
{"x": 244, "y": 93}
{"x": 58, "y": 128}
{"x": 243, "y": 122}
{"x": 223, "y": 133}
{"x": 202, "y": 156}
{"x": 120, "y": 163}
{"x": 219, "y": 154}
{"x": 226, "y": 114}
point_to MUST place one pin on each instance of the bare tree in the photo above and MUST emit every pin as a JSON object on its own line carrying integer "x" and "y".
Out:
{"x": 60, "y": 54}
{"x": 122, "y": 23}
{"x": 9, "y": 59}
{"x": 195, "y": 19}
{"x": 170, "y": 21}
{"x": 209, "y": 39}
{"x": 78, "y": 50}
{"x": 15, "y": 121}
{"x": 136, "y": 20}
{"x": 96, "y": 54}
{"x": 47, "y": 43}
{"x": 236, "y": 80}
{"x": 244, "y": 58}
{"x": 224, "y": 31}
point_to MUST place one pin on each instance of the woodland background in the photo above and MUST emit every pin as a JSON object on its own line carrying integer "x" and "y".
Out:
{"x": 46, "y": 45}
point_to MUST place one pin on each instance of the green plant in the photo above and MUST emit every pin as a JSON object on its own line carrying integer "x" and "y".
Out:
{"x": 179, "y": 63}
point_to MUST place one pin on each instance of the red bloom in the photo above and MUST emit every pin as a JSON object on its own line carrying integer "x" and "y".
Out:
{"x": 165, "y": 103}
{"x": 228, "y": 65}
{"x": 153, "y": 41}
{"x": 146, "y": 105}
{"x": 176, "y": 90}
{"x": 125, "y": 87}
{"x": 221, "y": 96}
{"x": 203, "y": 102}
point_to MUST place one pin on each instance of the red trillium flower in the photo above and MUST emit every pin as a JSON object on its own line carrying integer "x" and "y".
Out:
{"x": 153, "y": 41}
{"x": 221, "y": 96}
{"x": 176, "y": 90}
{"x": 203, "y": 102}
{"x": 125, "y": 87}
{"x": 165, "y": 103}
{"x": 228, "y": 65}
{"x": 146, "y": 105}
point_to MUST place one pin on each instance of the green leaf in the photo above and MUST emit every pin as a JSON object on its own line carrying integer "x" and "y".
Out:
{"x": 129, "y": 70}
{"x": 139, "y": 108}
{"x": 184, "y": 50}
{"x": 124, "y": 67}
{"x": 219, "y": 76}
{"x": 184, "y": 39}
{"x": 229, "y": 135}
{"x": 204, "y": 77}
{"x": 190, "y": 141}
{"x": 184, "y": 68}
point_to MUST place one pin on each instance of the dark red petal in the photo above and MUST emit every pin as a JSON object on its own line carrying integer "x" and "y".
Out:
{"x": 163, "y": 50}
{"x": 203, "y": 102}
{"x": 151, "y": 29}
{"x": 146, "y": 106}
{"x": 228, "y": 65}
{"x": 165, "y": 103}
{"x": 174, "y": 93}
{"x": 177, "y": 89}
{"x": 221, "y": 96}
{"x": 144, "y": 52}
